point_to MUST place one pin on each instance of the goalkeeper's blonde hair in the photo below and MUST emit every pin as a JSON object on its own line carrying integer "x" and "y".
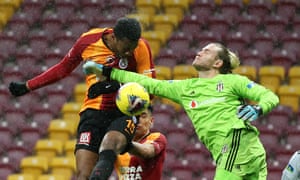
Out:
{"x": 234, "y": 60}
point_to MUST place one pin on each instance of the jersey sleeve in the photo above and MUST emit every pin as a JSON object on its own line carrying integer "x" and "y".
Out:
{"x": 159, "y": 142}
{"x": 248, "y": 89}
{"x": 170, "y": 89}
{"x": 144, "y": 59}
{"x": 59, "y": 71}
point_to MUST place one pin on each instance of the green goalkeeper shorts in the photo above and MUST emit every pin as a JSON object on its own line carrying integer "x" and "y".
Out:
{"x": 242, "y": 157}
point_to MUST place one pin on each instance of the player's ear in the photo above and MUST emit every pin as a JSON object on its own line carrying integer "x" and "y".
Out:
{"x": 218, "y": 64}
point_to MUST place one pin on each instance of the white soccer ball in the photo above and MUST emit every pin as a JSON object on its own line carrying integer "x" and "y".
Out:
{"x": 132, "y": 99}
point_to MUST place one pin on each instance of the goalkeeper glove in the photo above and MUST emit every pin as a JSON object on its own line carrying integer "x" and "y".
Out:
{"x": 103, "y": 87}
{"x": 249, "y": 112}
{"x": 18, "y": 88}
{"x": 90, "y": 67}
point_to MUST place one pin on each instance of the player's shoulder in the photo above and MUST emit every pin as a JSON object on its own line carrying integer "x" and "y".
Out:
{"x": 156, "y": 135}
{"x": 94, "y": 31}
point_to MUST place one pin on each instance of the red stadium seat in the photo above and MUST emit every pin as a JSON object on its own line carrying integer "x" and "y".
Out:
{"x": 218, "y": 24}
{"x": 191, "y": 25}
{"x": 203, "y": 9}
{"x": 275, "y": 26}
{"x": 65, "y": 9}
{"x": 286, "y": 9}
{"x": 263, "y": 43}
{"x": 258, "y": 8}
{"x": 247, "y": 24}
{"x": 231, "y": 9}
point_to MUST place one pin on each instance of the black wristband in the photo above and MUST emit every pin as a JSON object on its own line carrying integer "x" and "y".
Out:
{"x": 106, "y": 71}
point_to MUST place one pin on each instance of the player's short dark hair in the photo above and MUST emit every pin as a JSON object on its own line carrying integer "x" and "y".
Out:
{"x": 127, "y": 28}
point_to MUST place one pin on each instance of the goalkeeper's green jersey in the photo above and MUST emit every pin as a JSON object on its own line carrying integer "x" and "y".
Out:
{"x": 210, "y": 103}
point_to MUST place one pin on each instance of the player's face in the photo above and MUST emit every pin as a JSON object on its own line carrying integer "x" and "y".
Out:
{"x": 125, "y": 47}
{"x": 145, "y": 123}
{"x": 206, "y": 58}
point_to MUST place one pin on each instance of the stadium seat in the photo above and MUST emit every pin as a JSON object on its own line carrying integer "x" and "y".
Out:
{"x": 171, "y": 159}
{"x": 269, "y": 138}
{"x": 183, "y": 71}
{"x": 219, "y": 25}
{"x": 8, "y": 45}
{"x": 179, "y": 41}
{"x": 237, "y": 41}
{"x": 286, "y": 9}
{"x": 33, "y": 10}
{"x": 148, "y": 7}
{"x": 291, "y": 43}
{"x": 79, "y": 92}
{"x": 64, "y": 41}
{"x": 167, "y": 57}
{"x": 282, "y": 57}
{"x": 263, "y": 43}
{"x": 249, "y": 71}
{"x": 70, "y": 112}
{"x": 258, "y": 8}
{"x": 162, "y": 121}
{"x": 253, "y": 58}
{"x": 51, "y": 177}
{"x": 69, "y": 147}
{"x": 247, "y": 24}
{"x": 49, "y": 148}
{"x": 6, "y": 170}
{"x": 34, "y": 165}
{"x": 16, "y": 153}
{"x": 78, "y": 25}
{"x": 205, "y": 37}
{"x": 156, "y": 40}
{"x": 280, "y": 117}
{"x": 197, "y": 155}
{"x": 182, "y": 170}
{"x": 231, "y": 9}
{"x": 275, "y": 26}
{"x": 294, "y": 75}
{"x": 163, "y": 72}
{"x": 144, "y": 19}
{"x": 21, "y": 176}
{"x": 120, "y": 8}
{"x": 6, "y": 137}
{"x": 63, "y": 166}
{"x": 271, "y": 76}
{"x": 178, "y": 8}
{"x": 166, "y": 23}
{"x": 289, "y": 95}
{"x": 29, "y": 136}
{"x": 203, "y": 9}
{"x": 52, "y": 25}
{"x": 60, "y": 129}
{"x": 87, "y": 8}
{"x": 65, "y": 9}
{"x": 292, "y": 139}
{"x": 177, "y": 139}
{"x": 190, "y": 24}
{"x": 42, "y": 115}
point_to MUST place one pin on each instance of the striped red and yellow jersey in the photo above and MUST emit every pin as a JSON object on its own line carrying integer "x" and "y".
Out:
{"x": 132, "y": 167}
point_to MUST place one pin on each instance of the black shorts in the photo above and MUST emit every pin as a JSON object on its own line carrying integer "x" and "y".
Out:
{"x": 94, "y": 124}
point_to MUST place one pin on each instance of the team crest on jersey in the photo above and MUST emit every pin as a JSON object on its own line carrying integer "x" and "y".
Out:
{"x": 123, "y": 63}
{"x": 220, "y": 86}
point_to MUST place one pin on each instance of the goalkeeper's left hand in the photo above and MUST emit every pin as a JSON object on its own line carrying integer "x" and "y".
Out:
{"x": 91, "y": 67}
{"x": 249, "y": 112}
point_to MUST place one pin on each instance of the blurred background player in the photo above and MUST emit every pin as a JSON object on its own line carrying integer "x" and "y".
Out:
{"x": 146, "y": 156}
{"x": 103, "y": 130}
{"x": 215, "y": 103}
{"x": 292, "y": 170}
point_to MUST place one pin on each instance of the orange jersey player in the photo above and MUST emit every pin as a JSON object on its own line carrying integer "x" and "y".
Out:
{"x": 145, "y": 158}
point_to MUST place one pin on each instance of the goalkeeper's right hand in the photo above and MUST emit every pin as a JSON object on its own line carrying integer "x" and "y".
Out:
{"x": 18, "y": 88}
{"x": 91, "y": 67}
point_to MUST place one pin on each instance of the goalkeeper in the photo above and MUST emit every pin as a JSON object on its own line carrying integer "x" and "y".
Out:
{"x": 215, "y": 103}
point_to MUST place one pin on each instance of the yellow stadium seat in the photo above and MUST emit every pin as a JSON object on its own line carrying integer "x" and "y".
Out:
{"x": 289, "y": 95}
{"x": 51, "y": 177}
{"x": 167, "y": 101}
{"x": 144, "y": 19}
{"x": 3, "y": 19}
{"x": 175, "y": 7}
{"x": 165, "y": 22}
{"x": 184, "y": 72}
{"x": 63, "y": 166}
{"x": 150, "y": 7}
{"x": 69, "y": 147}
{"x": 271, "y": 76}
{"x": 163, "y": 72}
{"x": 35, "y": 165}
{"x": 80, "y": 92}
{"x": 20, "y": 176}
{"x": 156, "y": 40}
{"x": 70, "y": 112}
{"x": 48, "y": 148}
{"x": 294, "y": 75}
{"x": 60, "y": 129}
{"x": 249, "y": 71}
